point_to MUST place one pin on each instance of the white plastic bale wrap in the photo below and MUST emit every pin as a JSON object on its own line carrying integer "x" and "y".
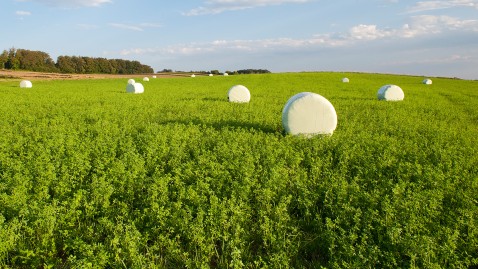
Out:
{"x": 131, "y": 81}
{"x": 154, "y": 77}
{"x": 427, "y": 81}
{"x": 239, "y": 94}
{"x": 25, "y": 84}
{"x": 345, "y": 80}
{"x": 211, "y": 75}
{"x": 135, "y": 88}
{"x": 390, "y": 93}
{"x": 193, "y": 76}
{"x": 309, "y": 114}
{"x": 145, "y": 79}
{"x": 226, "y": 74}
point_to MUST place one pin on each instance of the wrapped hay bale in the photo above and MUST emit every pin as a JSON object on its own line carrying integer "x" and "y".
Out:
{"x": 226, "y": 74}
{"x": 154, "y": 76}
{"x": 145, "y": 79}
{"x": 239, "y": 94}
{"x": 345, "y": 80}
{"x": 427, "y": 81}
{"x": 193, "y": 76}
{"x": 25, "y": 84}
{"x": 131, "y": 81}
{"x": 309, "y": 114}
{"x": 135, "y": 88}
{"x": 211, "y": 75}
{"x": 390, "y": 93}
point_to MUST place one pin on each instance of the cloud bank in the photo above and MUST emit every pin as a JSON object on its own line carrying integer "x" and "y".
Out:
{"x": 435, "y": 5}
{"x": 220, "y": 6}
{"x": 70, "y": 3}
{"x": 23, "y": 13}
{"x": 140, "y": 27}
{"x": 418, "y": 26}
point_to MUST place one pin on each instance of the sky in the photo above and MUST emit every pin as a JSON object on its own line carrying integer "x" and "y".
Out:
{"x": 425, "y": 38}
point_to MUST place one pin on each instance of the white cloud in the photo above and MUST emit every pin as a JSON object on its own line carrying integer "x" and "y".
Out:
{"x": 70, "y": 3}
{"x": 126, "y": 27}
{"x": 434, "y": 5}
{"x": 368, "y": 32}
{"x": 246, "y": 46}
{"x": 418, "y": 26}
{"x": 150, "y": 25}
{"x": 219, "y": 6}
{"x": 85, "y": 26}
{"x": 140, "y": 27}
{"x": 454, "y": 58}
{"x": 23, "y": 13}
{"x": 437, "y": 24}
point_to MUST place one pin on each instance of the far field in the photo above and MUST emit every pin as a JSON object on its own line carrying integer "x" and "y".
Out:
{"x": 93, "y": 177}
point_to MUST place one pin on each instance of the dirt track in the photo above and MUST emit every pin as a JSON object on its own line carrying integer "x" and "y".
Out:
{"x": 9, "y": 74}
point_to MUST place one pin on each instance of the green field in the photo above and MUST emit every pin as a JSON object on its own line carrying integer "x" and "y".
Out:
{"x": 177, "y": 177}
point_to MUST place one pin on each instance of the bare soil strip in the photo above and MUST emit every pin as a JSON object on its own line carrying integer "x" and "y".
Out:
{"x": 10, "y": 74}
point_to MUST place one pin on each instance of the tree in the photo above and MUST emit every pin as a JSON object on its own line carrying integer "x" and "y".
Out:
{"x": 79, "y": 65}
{"x": 91, "y": 66}
{"x": 253, "y": 71}
{"x": 35, "y": 61}
{"x": 12, "y": 60}
{"x": 3, "y": 59}
{"x": 65, "y": 64}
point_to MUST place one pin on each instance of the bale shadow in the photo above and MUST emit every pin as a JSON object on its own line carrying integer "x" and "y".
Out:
{"x": 207, "y": 99}
{"x": 223, "y": 125}
{"x": 214, "y": 99}
{"x": 353, "y": 98}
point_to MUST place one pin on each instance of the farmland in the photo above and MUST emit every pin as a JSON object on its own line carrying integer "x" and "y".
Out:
{"x": 93, "y": 177}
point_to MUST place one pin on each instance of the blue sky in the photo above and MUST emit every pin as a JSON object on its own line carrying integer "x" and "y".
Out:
{"x": 429, "y": 38}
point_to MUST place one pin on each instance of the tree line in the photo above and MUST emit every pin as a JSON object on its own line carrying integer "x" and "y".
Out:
{"x": 217, "y": 72}
{"x": 253, "y": 71}
{"x": 39, "y": 61}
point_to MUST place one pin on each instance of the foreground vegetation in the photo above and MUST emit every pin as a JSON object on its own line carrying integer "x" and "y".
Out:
{"x": 92, "y": 177}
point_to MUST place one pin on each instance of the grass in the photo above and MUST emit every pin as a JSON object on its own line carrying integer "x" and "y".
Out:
{"x": 93, "y": 177}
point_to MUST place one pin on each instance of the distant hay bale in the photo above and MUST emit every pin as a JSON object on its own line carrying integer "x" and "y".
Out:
{"x": 427, "y": 81}
{"x": 309, "y": 114}
{"x": 193, "y": 76}
{"x": 211, "y": 75}
{"x": 390, "y": 93}
{"x": 226, "y": 74}
{"x": 345, "y": 80}
{"x": 26, "y": 84}
{"x": 154, "y": 76}
{"x": 239, "y": 94}
{"x": 145, "y": 79}
{"x": 131, "y": 81}
{"x": 135, "y": 88}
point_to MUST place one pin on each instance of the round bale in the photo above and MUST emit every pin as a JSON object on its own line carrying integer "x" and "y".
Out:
{"x": 154, "y": 76}
{"x": 135, "y": 88}
{"x": 345, "y": 80}
{"x": 226, "y": 74}
{"x": 131, "y": 81}
{"x": 239, "y": 94}
{"x": 211, "y": 75}
{"x": 145, "y": 79}
{"x": 26, "y": 84}
{"x": 309, "y": 114}
{"x": 390, "y": 93}
{"x": 427, "y": 81}
{"x": 193, "y": 76}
